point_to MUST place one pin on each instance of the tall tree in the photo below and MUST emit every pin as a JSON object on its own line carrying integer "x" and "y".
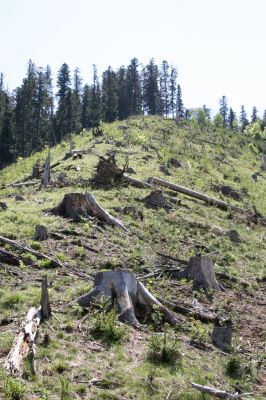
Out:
{"x": 75, "y": 103}
{"x": 134, "y": 95}
{"x": 122, "y": 90}
{"x": 231, "y": 119}
{"x": 86, "y": 112}
{"x": 151, "y": 93}
{"x": 243, "y": 119}
{"x": 63, "y": 113}
{"x": 223, "y": 109}
{"x": 179, "y": 104}
{"x": 172, "y": 89}
{"x": 165, "y": 88}
{"x": 254, "y": 115}
{"x": 96, "y": 99}
{"x": 109, "y": 96}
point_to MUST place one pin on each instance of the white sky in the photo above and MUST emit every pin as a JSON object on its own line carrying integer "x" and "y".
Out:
{"x": 218, "y": 46}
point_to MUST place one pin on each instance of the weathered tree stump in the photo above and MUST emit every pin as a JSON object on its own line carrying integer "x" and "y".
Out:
{"x": 131, "y": 297}
{"x": 19, "y": 198}
{"x": 46, "y": 173}
{"x": 9, "y": 258}
{"x": 163, "y": 168}
{"x": 201, "y": 270}
{"x": 36, "y": 170}
{"x": 174, "y": 163}
{"x": 222, "y": 335}
{"x": 78, "y": 205}
{"x": 157, "y": 199}
{"x": 3, "y": 205}
{"x": 40, "y": 233}
{"x": 234, "y": 236}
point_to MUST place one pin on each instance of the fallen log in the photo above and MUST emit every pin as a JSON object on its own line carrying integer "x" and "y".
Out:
{"x": 36, "y": 253}
{"x": 130, "y": 295}
{"x": 23, "y": 344}
{"x": 200, "y": 315}
{"x": 196, "y": 195}
{"x": 220, "y": 394}
{"x": 78, "y": 205}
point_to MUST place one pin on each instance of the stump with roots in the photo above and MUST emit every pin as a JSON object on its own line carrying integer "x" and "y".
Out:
{"x": 79, "y": 205}
{"x": 132, "y": 299}
{"x": 107, "y": 172}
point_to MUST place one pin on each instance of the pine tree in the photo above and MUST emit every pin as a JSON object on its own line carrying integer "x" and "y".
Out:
{"x": 165, "y": 88}
{"x": 254, "y": 115}
{"x": 96, "y": 99}
{"x": 172, "y": 89}
{"x": 231, "y": 119}
{"x": 207, "y": 112}
{"x": 109, "y": 96}
{"x": 7, "y": 150}
{"x": 263, "y": 121}
{"x": 179, "y": 104}
{"x": 134, "y": 93}
{"x": 63, "y": 113}
{"x": 223, "y": 109}
{"x": 123, "y": 98}
{"x": 243, "y": 119}
{"x": 151, "y": 93}
{"x": 75, "y": 103}
{"x": 86, "y": 112}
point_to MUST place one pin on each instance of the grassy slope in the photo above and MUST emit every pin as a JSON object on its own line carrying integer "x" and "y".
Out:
{"x": 189, "y": 227}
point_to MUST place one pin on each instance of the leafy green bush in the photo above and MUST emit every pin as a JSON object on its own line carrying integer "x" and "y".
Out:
{"x": 14, "y": 389}
{"x": 199, "y": 334}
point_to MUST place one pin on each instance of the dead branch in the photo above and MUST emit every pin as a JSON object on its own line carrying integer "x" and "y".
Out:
{"x": 220, "y": 394}
{"x": 26, "y": 248}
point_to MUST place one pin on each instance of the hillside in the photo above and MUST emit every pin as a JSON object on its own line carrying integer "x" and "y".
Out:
{"x": 71, "y": 361}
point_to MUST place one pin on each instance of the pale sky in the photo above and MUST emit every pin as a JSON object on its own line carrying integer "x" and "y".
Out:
{"x": 218, "y": 46}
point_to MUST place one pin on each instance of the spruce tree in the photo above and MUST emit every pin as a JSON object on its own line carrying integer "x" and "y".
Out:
{"x": 123, "y": 98}
{"x": 179, "y": 104}
{"x": 254, "y": 115}
{"x": 134, "y": 93}
{"x": 63, "y": 113}
{"x": 224, "y": 109}
{"x": 109, "y": 96}
{"x": 172, "y": 89}
{"x": 75, "y": 103}
{"x": 165, "y": 88}
{"x": 151, "y": 93}
{"x": 231, "y": 119}
{"x": 96, "y": 99}
{"x": 85, "y": 111}
{"x": 243, "y": 119}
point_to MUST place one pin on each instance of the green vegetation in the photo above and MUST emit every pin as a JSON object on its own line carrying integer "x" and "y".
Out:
{"x": 114, "y": 360}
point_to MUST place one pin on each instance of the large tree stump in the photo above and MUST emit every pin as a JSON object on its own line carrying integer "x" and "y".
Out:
{"x": 40, "y": 233}
{"x": 201, "y": 270}
{"x": 131, "y": 297}
{"x": 222, "y": 335}
{"x": 78, "y": 205}
{"x": 46, "y": 173}
{"x": 157, "y": 199}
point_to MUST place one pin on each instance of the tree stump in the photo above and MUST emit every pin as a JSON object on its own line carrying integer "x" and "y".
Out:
{"x": 234, "y": 236}
{"x": 46, "y": 173}
{"x": 36, "y": 170}
{"x": 40, "y": 233}
{"x": 201, "y": 270}
{"x": 222, "y": 335}
{"x": 3, "y": 205}
{"x": 131, "y": 297}
{"x": 78, "y": 205}
{"x": 157, "y": 199}
{"x": 107, "y": 172}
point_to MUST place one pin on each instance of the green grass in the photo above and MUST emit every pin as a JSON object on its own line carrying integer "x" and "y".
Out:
{"x": 189, "y": 227}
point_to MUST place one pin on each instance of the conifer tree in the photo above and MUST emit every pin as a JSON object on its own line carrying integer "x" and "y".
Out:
{"x": 165, "y": 88}
{"x": 63, "y": 113}
{"x": 243, "y": 119}
{"x": 86, "y": 112}
{"x": 179, "y": 104}
{"x": 231, "y": 119}
{"x": 224, "y": 110}
{"x": 109, "y": 96}
{"x": 134, "y": 95}
{"x": 123, "y": 98}
{"x": 96, "y": 99}
{"x": 75, "y": 103}
{"x": 151, "y": 93}
{"x": 254, "y": 115}
{"x": 172, "y": 89}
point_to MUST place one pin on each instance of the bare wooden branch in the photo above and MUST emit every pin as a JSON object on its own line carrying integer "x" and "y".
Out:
{"x": 36, "y": 253}
{"x": 219, "y": 394}
{"x": 197, "y": 195}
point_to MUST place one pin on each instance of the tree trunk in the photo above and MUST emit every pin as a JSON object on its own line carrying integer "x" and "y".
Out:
{"x": 220, "y": 394}
{"x": 78, "y": 205}
{"x": 201, "y": 270}
{"x": 40, "y": 233}
{"x": 130, "y": 295}
{"x": 196, "y": 195}
{"x": 46, "y": 173}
